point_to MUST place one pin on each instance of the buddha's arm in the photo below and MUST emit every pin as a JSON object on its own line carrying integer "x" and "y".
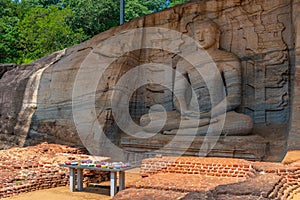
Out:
{"x": 180, "y": 87}
{"x": 232, "y": 77}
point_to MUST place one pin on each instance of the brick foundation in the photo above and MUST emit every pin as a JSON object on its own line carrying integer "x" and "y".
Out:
{"x": 37, "y": 167}
{"x": 213, "y": 178}
{"x": 221, "y": 167}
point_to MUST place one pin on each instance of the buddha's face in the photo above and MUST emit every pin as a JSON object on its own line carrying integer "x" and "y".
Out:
{"x": 206, "y": 35}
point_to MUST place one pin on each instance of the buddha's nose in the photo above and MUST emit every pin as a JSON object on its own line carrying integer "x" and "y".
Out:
{"x": 201, "y": 38}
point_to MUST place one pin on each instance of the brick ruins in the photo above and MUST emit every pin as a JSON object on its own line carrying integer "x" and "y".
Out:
{"x": 213, "y": 178}
{"x": 37, "y": 167}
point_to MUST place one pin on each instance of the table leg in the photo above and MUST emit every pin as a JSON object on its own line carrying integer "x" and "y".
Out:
{"x": 72, "y": 179}
{"x": 113, "y": 183}
{"x": 121, "y": 181}
{"x": 80, "y": 179}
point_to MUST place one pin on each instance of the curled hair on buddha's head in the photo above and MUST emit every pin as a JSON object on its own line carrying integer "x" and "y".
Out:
{"x": 192, "y": 27}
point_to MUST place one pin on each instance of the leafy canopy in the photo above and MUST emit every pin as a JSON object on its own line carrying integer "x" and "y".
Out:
{"x": 30, "y": 29}
{"x": 44, "y": 30}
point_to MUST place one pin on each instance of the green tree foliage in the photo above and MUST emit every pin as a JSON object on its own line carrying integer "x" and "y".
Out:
{"x": 9, "y": 36}
{"x": 154, "y": 5}
{"x": 134, "y": 9}
{"x": 176, "y": 2}
{"x": 95, "y": 16}
{"x": 92, "y": 16}
{"x": 44, "y": 3}
{"x": 44, "y": 30}
{"x": 30, "y": 29}
{"x": 9, "y": 39}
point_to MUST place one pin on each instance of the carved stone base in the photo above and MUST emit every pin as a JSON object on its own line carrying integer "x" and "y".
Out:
{"x": 250, "y": 147}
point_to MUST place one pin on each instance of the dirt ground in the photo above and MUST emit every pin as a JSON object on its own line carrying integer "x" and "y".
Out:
{"x": 63, "y": 193}
{"x": 102, "y": 191}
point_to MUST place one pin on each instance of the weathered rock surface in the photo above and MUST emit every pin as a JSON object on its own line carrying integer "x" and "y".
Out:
{"x": 5, "y": 68}
{"x": 18, "y": 87}
{"x": 249, "y": 147}
{"x": 40, "y": 102}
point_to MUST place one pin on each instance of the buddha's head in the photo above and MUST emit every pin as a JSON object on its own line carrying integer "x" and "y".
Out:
{"x": 207, "y": 33}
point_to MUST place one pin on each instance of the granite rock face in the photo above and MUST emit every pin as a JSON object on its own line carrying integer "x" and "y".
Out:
{"x": 18, "y": 89}
{"x": 72, "y": 96}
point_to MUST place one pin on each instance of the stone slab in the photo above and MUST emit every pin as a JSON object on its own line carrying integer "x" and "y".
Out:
{"x": 249, "y": 147}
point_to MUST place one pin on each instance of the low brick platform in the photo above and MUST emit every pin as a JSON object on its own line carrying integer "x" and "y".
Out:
{"x": 37, "y": 167}
{"x": 184, "y": 182}
{"x": 213, "y": 178}
{"x": 224, "y": 167}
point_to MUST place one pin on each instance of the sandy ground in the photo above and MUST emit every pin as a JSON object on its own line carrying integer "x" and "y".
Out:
{"x": 291, "y": 156}
{"x": 64, "y": 193}
{"x": 102, "y": 191}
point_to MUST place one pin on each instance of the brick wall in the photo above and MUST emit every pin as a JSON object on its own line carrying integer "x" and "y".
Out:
{"x": 195, "y": 165}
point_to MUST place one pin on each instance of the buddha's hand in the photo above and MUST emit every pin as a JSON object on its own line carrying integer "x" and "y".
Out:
{"x": 190, "y": 114}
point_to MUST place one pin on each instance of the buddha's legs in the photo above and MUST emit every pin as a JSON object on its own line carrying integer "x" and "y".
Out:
{"x": 234, "y": 124}
{"x": 237, "y": 124}
{"x": 172, "y": 122}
